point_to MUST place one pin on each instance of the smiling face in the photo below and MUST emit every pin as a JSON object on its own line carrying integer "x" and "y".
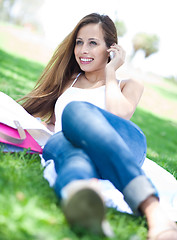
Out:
{"x": 90, "y": 48}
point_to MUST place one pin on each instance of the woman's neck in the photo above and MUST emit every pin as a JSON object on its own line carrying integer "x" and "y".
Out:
{"x": 95, "y": 80}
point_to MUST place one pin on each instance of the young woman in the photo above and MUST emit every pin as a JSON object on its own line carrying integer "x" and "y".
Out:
{"x": 89, "y": 110}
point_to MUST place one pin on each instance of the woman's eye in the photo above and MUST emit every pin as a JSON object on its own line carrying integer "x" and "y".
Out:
{"x": 93, "y": 43}
{"x": 78, "y": 42}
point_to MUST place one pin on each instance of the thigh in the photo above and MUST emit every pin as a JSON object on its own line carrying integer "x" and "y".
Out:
{"x": 86, "y": 125}
{"x": 130, "y": 133}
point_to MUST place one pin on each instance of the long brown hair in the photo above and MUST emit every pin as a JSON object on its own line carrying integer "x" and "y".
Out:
{"x": 62, "y": 66}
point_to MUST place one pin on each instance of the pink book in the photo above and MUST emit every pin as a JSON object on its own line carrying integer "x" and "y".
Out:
{"x": 28, "y": 142}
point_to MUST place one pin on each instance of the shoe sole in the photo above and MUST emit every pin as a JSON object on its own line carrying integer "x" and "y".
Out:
{"x": 85, "y": 209}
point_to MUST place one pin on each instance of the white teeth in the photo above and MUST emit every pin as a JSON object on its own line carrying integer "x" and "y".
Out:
{"x": 86, "y": 59}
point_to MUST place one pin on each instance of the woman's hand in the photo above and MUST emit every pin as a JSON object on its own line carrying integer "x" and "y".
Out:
{"x": 119, "y": 57}
{"x": 51, "y": 124}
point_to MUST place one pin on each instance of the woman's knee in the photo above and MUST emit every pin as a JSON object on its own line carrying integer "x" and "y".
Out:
{"x": 75, "y": 109}
{"x": 71, "y": 107}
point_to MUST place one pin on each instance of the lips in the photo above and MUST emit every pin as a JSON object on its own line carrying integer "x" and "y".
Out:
{"x": 86, "y": 60}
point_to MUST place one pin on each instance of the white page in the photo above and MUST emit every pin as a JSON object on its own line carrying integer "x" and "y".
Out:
{"x": 10, "y": 110}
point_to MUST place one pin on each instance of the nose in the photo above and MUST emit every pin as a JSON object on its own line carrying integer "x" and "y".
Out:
{"x": 85, "y": 48}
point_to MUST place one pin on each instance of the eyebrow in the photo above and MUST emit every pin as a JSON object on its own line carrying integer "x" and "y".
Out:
{"x": 88, "y": 39}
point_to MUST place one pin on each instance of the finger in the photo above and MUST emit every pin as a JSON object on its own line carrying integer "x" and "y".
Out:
{"x": 117, "y": 47}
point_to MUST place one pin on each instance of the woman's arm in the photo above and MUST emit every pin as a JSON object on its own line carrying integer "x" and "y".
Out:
{"x": 51, "y": 124}
{"x": 121, "y": 100}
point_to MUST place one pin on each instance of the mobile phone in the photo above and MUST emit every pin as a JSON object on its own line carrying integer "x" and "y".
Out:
{"x": 112, "y": 54}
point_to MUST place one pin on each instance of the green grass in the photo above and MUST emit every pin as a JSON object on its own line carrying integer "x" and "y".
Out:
{"x": 29, "y": 209}
{"x": 161, "y": 139}
{"x": 17, "y": 74}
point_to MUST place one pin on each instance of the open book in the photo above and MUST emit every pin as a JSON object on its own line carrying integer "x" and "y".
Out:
{"x": 10, "y": 110}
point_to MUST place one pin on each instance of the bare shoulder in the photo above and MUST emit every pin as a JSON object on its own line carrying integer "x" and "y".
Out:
{"x": 132, "y": 83}
{"x": 73, "y": 77}
{"x": 69, "y": 82}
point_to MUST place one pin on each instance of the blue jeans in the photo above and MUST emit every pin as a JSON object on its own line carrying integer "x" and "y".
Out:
{"x": 97, "y": 144}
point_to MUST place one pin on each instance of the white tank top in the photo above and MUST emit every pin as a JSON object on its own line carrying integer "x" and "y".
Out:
{"x": 95, "y": 96}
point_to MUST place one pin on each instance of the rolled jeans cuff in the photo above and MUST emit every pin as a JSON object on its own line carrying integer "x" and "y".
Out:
{"x": 138, "y": 190}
